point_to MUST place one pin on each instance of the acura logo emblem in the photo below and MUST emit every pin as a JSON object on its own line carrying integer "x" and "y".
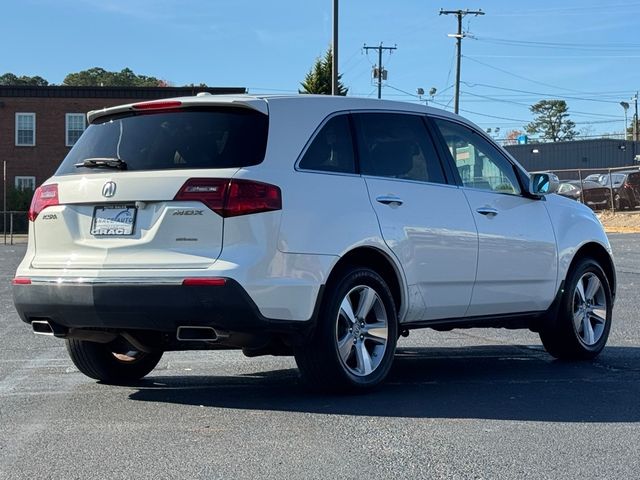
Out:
{"x": 109, "y": 189}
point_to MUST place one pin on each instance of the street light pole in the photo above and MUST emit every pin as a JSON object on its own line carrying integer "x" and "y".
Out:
{"x": 625, "y": 106}
{"x": 4, "y": 203}
{"x": 635, "y": 119}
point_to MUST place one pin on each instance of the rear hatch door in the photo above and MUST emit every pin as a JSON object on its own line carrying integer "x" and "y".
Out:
{"x": 118, "y": 189}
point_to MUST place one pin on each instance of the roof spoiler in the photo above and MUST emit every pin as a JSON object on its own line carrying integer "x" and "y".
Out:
{"x": 257, "y": 104}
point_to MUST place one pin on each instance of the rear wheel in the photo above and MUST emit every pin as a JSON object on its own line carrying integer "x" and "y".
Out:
{"x": 355, "y": 340}
{"x": 100, "y": 361}
{"x": 582, "y": 326}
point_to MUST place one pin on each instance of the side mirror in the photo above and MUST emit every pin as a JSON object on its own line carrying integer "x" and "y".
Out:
{"x": 543, "y": 183}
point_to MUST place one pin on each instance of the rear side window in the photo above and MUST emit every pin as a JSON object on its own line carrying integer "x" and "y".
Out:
{"x": 397, "y": 145}
{"x": 332, "y": 148}
{"x": 180, "y": 139}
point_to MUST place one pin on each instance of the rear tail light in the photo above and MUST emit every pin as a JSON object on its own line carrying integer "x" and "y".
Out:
{"x": 232, "y": 197}
{"x": 44, "y": 196}
{"x": 21, "y": 281}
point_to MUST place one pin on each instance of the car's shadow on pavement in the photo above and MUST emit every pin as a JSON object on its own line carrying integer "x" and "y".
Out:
{"x": 495, "y": 382}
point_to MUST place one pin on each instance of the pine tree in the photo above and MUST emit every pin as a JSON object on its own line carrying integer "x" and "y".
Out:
{"x": 318, "y": 80}
{"x": 552, "y": 121}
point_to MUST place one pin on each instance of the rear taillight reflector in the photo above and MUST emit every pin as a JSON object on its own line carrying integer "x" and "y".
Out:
{"x": 204, "y": 281}
{"x": 44, "y": 196}
{"x": 246, "y": 197}
{"x": 232, "y": 197}
{"x": 161, "y": 105}
{"x": 21, "y": 281}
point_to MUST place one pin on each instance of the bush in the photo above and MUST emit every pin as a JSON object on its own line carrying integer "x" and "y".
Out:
{"x": 18, "y": 200}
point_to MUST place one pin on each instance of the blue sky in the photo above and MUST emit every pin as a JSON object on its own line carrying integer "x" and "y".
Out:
{"x": 585, "y": 52}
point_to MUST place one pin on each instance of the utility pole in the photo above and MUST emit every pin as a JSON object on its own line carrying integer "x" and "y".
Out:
{"x": 459, "y": 36}
{"x": 334, "y": 51}
{"x": 379, "y": 72}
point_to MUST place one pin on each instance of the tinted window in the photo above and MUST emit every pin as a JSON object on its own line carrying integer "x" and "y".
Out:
{"x": 398, "y": 146}
{"x": 332, "y": 148}
{"x": 189, "y": 138}
{"x": 479, "y": 163}
{"x": 634, "y": 179}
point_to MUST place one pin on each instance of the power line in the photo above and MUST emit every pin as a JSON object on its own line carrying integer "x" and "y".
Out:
{"x": 528, "y": 106}
{"x": 559, "y": 95}
{"x": 555, "y": 45}
{"x": 520, "y": 76}
{"x": 569, "y": 11}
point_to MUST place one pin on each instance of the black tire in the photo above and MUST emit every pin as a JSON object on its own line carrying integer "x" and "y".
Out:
{"x": 321, "y": 364}
{"x": 98, "y": 361}
{"x": 561, "y": 337}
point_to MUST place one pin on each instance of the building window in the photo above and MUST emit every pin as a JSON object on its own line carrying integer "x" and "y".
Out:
{"x": 74, "y": 127}
{"x": 26, "y": 183}
{"x": 25, "y": 129}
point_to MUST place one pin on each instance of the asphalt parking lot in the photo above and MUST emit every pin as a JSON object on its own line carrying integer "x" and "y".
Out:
{"x": 463, "y": 404}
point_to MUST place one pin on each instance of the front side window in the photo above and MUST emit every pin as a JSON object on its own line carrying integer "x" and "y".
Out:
{"x": 25, "y": 129}
{"x": 479, "y": 163}
{"x": 332, "y": 148}
{"x": 74, "y": 126}
{"x": 397, "y": 145}
{"x": 25, "y": 183}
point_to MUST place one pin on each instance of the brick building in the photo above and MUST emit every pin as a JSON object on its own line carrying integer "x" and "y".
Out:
{"x": 39, "y": 125}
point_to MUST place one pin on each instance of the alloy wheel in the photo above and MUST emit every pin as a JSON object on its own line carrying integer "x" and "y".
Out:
{"x": 589, "y": 309}
{"x": 361, "y": 331}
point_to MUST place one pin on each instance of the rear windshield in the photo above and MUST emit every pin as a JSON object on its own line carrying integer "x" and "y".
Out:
{"x": 186, "y": 138}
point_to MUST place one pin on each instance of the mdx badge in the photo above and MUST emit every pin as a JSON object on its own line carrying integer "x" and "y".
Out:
{"x": 109, "y": 189}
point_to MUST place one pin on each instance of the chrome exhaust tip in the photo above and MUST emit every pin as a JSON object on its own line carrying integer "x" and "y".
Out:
{"x": 198, "y": 334}
{"x": 42, "y": 327}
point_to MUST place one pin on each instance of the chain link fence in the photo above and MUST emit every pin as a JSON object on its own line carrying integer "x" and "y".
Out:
{"x": 613, "y": 189}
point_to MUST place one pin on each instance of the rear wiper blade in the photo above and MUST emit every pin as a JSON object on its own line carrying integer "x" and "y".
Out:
{"x": 103, "y": 162}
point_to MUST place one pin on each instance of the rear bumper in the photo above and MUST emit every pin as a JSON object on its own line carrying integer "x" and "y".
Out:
{"x": 156, "y": 307}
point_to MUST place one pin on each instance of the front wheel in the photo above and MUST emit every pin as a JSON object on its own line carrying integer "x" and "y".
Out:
{"x": 109, "y": 365}
{"x": 355, "y": 340}
{"x": 581, "y": 329}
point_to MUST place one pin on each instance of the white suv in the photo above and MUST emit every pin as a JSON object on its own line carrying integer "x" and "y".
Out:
{"x": 322, "y": 227}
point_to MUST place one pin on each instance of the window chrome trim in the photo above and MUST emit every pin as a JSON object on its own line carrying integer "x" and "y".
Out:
{"x": 408, "y": 180}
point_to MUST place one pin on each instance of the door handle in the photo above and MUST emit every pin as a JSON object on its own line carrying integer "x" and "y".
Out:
{"x": 390, "y": 200}
{"x": 487, "y": 211}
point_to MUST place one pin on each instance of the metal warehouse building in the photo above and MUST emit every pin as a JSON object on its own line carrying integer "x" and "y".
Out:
{"x": 599, "y": 153}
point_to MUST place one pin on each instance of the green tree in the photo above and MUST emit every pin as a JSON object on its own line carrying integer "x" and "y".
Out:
{"x": 552, "y": 121}
{"x": 318, "y": 80}
{"x": 630, "y": 129}
{"x": 99, "y": 77}
{"x": 13, "y": 80}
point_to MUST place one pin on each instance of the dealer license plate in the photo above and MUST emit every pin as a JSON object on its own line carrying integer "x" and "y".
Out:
{"x": 113, "y": 220}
